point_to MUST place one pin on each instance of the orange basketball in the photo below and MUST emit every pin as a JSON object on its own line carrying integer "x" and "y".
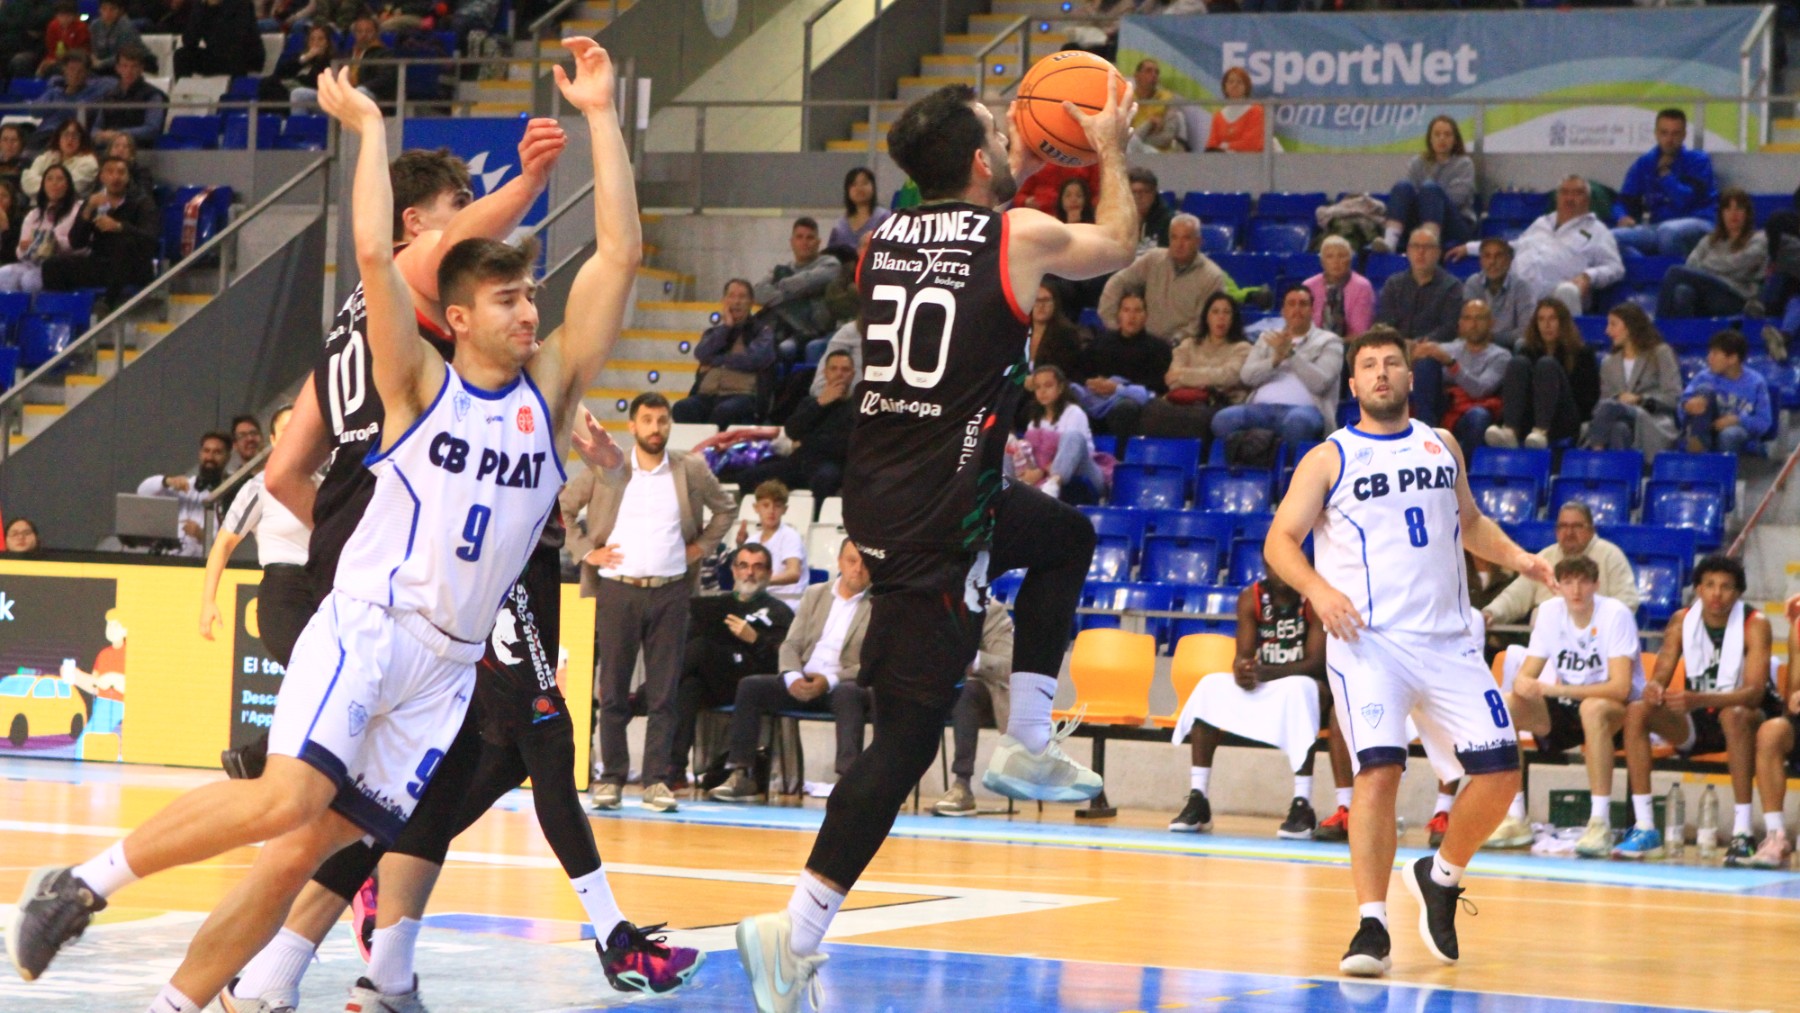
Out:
{"x": 1070, "y": 76}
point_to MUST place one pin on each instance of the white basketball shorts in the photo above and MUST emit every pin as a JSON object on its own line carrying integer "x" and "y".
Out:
{"x": 372, "y": 699}
{"x": 1382, "y": 678}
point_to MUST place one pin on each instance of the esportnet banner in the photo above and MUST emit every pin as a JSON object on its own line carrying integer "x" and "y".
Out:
{"x": 1616, "y": 67}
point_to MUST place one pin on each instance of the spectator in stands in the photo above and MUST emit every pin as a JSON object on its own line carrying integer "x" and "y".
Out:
{"x": 111, "y": 34}
{"x": 45, "y": 233}
{"x": 1568, "y": 253}
{"x": 22, "y": 538}
{"x": 733, "y": 355}
{"x": 1640, "y": 387}
{"x": 786, "y": 548}
{"x": 1237, "y": 125}
{"x": 246, "y": 442}
{"x": 66, "y": 32}
{"x": 1574, "y": 537}
{"x": 13, "y": 162}
{"x": 12, "y": 218}
{"x": 985, "y": 702}
{"x": 1725, "y": 407}
{"x": 1275, "y": 693}
{"x": 819, "y": 662}
{"x": 126, "y": 150}
{"x": 192, "y": 490}
{"x": 1153, "y": 215}
{"x": 468, "y": 16}
{"x": 1294, "y": 373}
{"x": 1669, "y": 196}
{"x": 73, "y": 152}
{"x": 730, "y": 636}
{"x": 1581, "y": 670}
{"x": 1474, "y": 366}
{"x": 1425, "y": 301}
{"x": 62, "y": 100}
{"x": 408, "y": 15}
{"x": 1509, "y": 299}
{"x": 338, "y": 15}
{"x": 1125, "y": 368}
{"x": 1205, "y": 374}
{"x": 843, "y": 300}
{"x": 1782, "y": 237}
{"x": 219, "y": 37}
{"x": 113, "y": 241}
{"x": 820, "y": 429}
{"x": 1074, "y": 202}
{"x": 22, "y": 25}
{"x": 862, "y": 215}
{"x": 1056, "y": 452}
{"x": 144, "y": 123}
{"x": 1043, "y": 188}
{"x": 793, "y": 294}
{"x": 1054, "y": 340}
{"x": 1343, "y": 301}
{"x": 380, "y": 81}
{"x": 1174, "y": 283}
{"x": 1725, "y": 644}
{"x": 296, "y": 77}
{"x": 1156, "y": 126}
{"x": 1551, "y": 385}
{"x": 846, "y": 340}
{"x": 1439, "y": 189}
{"x": 1724, "y": 271}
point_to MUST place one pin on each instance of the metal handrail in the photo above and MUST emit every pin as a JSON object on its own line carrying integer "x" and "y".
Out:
{"x": 981, "y": 55}
{"x": 11, "y": 400}
{"x": 534, "y": 35}
{"x": 1759, "y": 33}
{"x": 806, "y": 64}
{"x": 1775, "y": 489}
{"x": 554, "y": 215}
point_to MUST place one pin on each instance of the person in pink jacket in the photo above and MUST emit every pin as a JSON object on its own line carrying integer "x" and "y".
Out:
{"x": 1343, "y": 301}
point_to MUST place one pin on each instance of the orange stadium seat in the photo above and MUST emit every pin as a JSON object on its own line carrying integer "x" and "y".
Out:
{"x": 1197, "y": 656}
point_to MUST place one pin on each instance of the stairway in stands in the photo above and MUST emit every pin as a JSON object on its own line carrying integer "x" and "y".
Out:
{"x": 957, "y": 64}
{"x": 511, "y": 95}
{"x": 656, "y": 350}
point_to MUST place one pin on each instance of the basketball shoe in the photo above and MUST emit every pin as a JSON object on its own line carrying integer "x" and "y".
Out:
{"x": 1195, "y": 817}
{"x": 1512, "y": 832}
{"x": 54, "y": 909}
{"x": 366, "y": 998}
{"x": 1335, "y": 828}
{"x": 1368, "y": 954}
{"x": 1437, "y": 828}
{"x": 636, "y": 961}
{"x": 261, "y": 1004}
{"x": 1301, "y": 822}
{"x": 779, "y": 978}
{"x": 1596, "y": 840}
{"x": 1437, "y": 910}
{"x": 1049, "y": 776}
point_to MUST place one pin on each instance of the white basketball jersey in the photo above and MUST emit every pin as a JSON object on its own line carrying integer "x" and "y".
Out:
{"x": 1390, "y": 536}
{"x": 459, "y": 500}
{"x": 1579, "y": 655}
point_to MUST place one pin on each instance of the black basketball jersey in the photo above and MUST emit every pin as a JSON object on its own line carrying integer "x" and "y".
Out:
{"x": 944, "y": 362}
{"x": 351, "y": 406}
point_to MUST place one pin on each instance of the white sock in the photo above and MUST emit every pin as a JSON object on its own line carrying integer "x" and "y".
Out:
{"x": 1200, "y": 778}
{"x": 811, "y": 909}
{"x": 107, "y": 873}
{"x": 1303, "y": 786}
{"x": 391, "y": 957}
{"x": 1444, "y": 802}
{"x": 1740, "y": 818}
{"x": 277, "y": 969}
{"x": 1443, "y": 873}
{"x": 1773, "y": 824}
{"x": 596, "y": 898}
{"x": 1029, "y": 722}
{"x": 1517, "y": 809}
{"x": 1344, "y": 795}
{"x": 1377, "y": 911}
{"x": 1600, "y": 808}
{"x": 169, "y": 1000}
{"x": 1641, "y": 811}
{"x": 1392, "y": 238}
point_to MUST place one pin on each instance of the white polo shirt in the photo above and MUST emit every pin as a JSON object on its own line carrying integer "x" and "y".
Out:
{"x": 648, "y": 529}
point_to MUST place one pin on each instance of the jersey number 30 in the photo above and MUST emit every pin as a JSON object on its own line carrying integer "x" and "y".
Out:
{"x": 899, "y": 334}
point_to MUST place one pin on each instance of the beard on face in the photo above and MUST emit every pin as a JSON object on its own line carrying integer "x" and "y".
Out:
{"x": 654, "y": 443}
{"x": 1389, "y": 411}
{"x": 1004, "y": 186}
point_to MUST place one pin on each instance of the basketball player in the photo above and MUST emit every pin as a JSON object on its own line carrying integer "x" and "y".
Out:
{"x": 943, "y": 369}
{"x": 285, "y": 595}
{"x": 467, "y": 473}
{"x": 1775, "y": 754}
{"x": 1581, "y": 669}
{"x": 1388, "y": 506}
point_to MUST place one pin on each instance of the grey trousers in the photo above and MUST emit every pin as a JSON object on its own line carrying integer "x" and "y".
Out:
{"x": 627, "y": 619}
{"x": 760, "y": 696}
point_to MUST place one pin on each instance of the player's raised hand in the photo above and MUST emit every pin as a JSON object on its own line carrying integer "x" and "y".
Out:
{"x": 1019, "y": 157}
{"x": 354, "y": 109}
{"x": 543, "y": 142}
{"x": 594, "y": 444}
{"x": 592, "y": 89}
{"x": 1108, "y": 129}
{"x": 1334, "y": 610}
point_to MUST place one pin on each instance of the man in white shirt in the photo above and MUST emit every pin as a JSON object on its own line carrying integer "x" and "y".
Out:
{"x": 1568, "y": 254}
{"x": 1294, "y": 374}
{"x": 1582, "y": 667}
{"x": 819, "y": 662}
{"x": 193, "y": 490}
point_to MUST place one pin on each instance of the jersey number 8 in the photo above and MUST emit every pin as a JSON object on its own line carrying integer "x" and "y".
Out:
{"x": 899, "y": 334}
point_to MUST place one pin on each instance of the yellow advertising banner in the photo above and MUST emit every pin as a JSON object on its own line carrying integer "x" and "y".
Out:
{"x": 105, "y": 661}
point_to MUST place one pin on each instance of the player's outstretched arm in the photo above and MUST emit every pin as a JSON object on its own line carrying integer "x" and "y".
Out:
{"x": 1294, "y": 519}
{"x": 1039, "y": 244}
{"x": 1485, "y": 538}
{"x": 396, "y": 352}
{"x": 572, "y": 357}
{"x": 305, "y": 446}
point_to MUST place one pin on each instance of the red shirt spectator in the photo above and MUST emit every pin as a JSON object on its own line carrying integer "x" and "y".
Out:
{"x": 66, "y": 31}
{"x": 1043, "y": 188}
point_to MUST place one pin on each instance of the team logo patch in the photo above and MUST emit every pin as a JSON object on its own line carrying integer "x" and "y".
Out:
{"x": 543, "y": 709}
{"x": 359, "y": 718}
{"x": 1364, "y": 455}
{"x": 1432, "y": 448}
{"x": 527, "y": 421}
{"x": 1372, "y": 714}
{"x": 461, "y": 405}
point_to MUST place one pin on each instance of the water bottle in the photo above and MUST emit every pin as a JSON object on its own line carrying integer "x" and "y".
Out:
{"x": 1675, "y": 818}
{"x": 1708, "y": 837}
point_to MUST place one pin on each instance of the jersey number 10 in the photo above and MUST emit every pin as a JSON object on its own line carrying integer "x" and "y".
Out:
{"x": 899, "y": 334}
{"x": 345, "y": 386}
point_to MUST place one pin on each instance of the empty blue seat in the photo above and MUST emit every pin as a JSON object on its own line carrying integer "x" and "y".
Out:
{"x": 1494, "y": 228}
{"x": 1609, "y": 499}
{"x": 237, "y": 131}
{"x": 1192, "y": 524}
{"x": 1251, "y": 269}
{"x": 1520, "y": 207}
{"x": 1122, "y": 522}
{"x": 1690, "y": 334}
{"x": 1619, "y": 465}
{"x": 1463, "y": 269}
{"x": 1593, "y": 329}
{"x": 1231, "y": 209}
{"x": 1640, "y": 541}
{"x": 13, "y": 307}
{"x": 9, "y": 367}
{"x": 1532, "y": 535}
{"x": 1783, "y": 380}
{"x": 1278, "y": 237}
{"x": 1233, "y": 490}
{"x": 1173, "y": 452}
{"x": 1660, "y": 580}
{"x": 1506, "y": 499}
{"x": 304, "y": 132}
{"x": 191, "y": 133}
{"x": 1647, "y": 272}
{"x": 1140, "y": 597}
{"x": 1762, "y": 205}
{"x": 1680, "y": 505}
{"x": 1205, "y": 601}
{"x": 42, "y": 338}
{"x": 24, "y": 89}
{"x": 1112, "y": 559}
{"x": 1149, "y": 487}
{"x": 76, "y": 307}
{"x": 1379, "y": 267}
{"x": 1511, "y": 463}
{"x": 242, "y": 89}
{"x": 1216, "y": 239}
{"x": 1246, "y": 564}
{"x": 1005, "y": 587}
{"x": 1170, "y": 560}
{"x": 1290, "y": 207}
{"x": 1719, "y": 470}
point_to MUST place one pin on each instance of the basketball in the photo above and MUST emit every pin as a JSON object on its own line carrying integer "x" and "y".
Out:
{"x": 1070, "y": 76}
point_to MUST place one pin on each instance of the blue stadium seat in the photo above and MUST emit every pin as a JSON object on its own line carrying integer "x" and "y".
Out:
{"x": 1246, "y": 564}
{"x": 9, "y": 367}
{"x": 190, "y": 133}
{"x": 1205, "y": 600}
{"x": 1145, "y": 597}
{"x": 41, "y": 338}
{"x": 1506, "y": 499}
{"x": 1290, "y": 207}
{"x": 1520, "y": 207}
{"x": 1463, "y": 269}
{"x": 1180, "y": 560}
{"x": 1278, "y": 237}
{"x": 1220, "y": 528}
{"x": 13, "y": 307}
{"x": 1593, "y": 329}
{"x": 1718, "y": 470}
{"x": 237, "y": 131}
{"x": 1172, "y": 452}
{"x": 76, "y": 307}
{"x": 1252, "y": 526}
{"x": 1622, "y": 465}
{"x": 1216, "y": 240}
{"x": 304, "y": 132}
{"x": 1646, "y": 273}
{"x": 1511, "y": 463}
{"x": 1681, "y": 505}
{"x": 242, "y": 89}
{"x": 1689, "y": 335}
{"x": 1639, "y": 541}
{"x": 1783, "y": 379}
{"x": 24, "y": 89}
{"x": 214, "y": 214}
{"x": 1122, "y": 522}
{"x": 1112, "y": 560}
{"x": 1531, "y": 535}
{"x": 1762, "y": 205}
{"x": 1149, "y": 487}
{"x": 1493, "y": 228}
{"x": 1250, "y": 269}
{"x": 1660, "y": 580}
{"x": 1231, "y": 209}
{"x": 1379, "y": 267}
{"x": 1005, "y": 587}
{"x": 1233, "y": 490}
{"x": 1608, "y": 498}
{"x": 1691, "y": 365}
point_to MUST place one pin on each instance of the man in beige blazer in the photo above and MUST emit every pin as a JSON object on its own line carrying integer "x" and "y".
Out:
{"x": 820, "y": 660}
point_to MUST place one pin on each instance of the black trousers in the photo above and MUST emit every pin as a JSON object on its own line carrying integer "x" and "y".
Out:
{"x": 696, "y": 693}
{"x": 69, "y": 272}
{"x": 285, "y": 603}
{"x": 628, "y": 618}
{"x": 762, "y": 696}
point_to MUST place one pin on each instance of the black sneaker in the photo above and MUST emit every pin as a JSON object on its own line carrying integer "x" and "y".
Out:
{"x": 1368, "y": 953}
{"x": 54, "y": 908}
{"x": 1437, "y": 910}
{"x": 1196, "y": 816}
{"x": 1740, "y": 849}
{"x": 246, "y": 763}
{"x": 1300, "y": 823}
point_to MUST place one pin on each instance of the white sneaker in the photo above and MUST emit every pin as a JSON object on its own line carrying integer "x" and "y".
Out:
{"x": 1512, "y": 832}
{"x": 779, "y": 977}
{"x": 366, "y": 998}
{"x": 1596, "y": 841}
{"x": 1049, "y": 776}
{"x": 261, "y": 1004}
{"x": 659, "y": 798}
{"x": 1502, "y": 437}
{"x": 1537, "y": 439}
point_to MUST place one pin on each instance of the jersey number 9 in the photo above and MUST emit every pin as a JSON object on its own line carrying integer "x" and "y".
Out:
{"x": 474, "y": 532}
